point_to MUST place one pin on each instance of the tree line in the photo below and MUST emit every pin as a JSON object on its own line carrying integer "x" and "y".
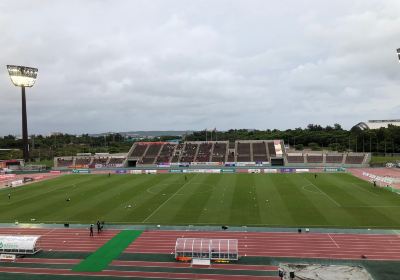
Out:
{"x": 315, "y": 137}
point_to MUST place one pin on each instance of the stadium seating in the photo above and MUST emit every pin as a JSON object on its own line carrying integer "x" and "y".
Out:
{"x": 354, "y": 159}
{"x": 177, "y": 153}
{"x": 259, "y": 152}
{"x": 100, "y": 160}
{"x": 166, "y": 153}
{"x": 231, "y": 157}
{"x": 114, "y": 161}
{"x": 83, "y": 161}
{"x": 204, "y": 152}
{"x": 315, "y": 158}
{"x": 139, "y": 149}
{"x": 189, "y": 153}
{"x": 243, "y": 152}
{"x": 270, "y": 152}
{"x": 295, "y": 158}
{"x": 219, "y": 152}
{"x": 334, "y": 158}
{"x": 62, "y": 162}
{"x": 151, "y": 153}
{"x": 271, "y": 149}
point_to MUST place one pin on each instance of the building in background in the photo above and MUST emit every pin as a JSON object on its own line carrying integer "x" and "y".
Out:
{"x": 376, "y": 124}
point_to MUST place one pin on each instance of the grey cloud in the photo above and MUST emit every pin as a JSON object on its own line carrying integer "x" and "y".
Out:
{"x": 144, "y": 65}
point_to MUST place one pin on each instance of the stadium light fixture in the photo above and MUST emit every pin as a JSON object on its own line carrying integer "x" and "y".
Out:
{"x": 398, "y": 53}
{"x": 22, "y": 76}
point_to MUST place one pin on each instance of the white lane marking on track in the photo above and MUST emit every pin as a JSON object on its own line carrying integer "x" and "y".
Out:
{"x": 327, "y": 195}
{"x": 49, "y": 232}
{"x": 337, "y": 246}
{"x": 172, "y": 196}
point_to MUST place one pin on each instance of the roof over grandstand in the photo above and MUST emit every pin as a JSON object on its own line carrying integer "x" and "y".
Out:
{"x": 376, "y": 124}
{"x": 158, "y": 65}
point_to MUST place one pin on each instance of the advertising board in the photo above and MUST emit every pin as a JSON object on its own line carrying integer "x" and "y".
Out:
{"x": 287, "y": 170}
{"x": 82, "y": 171}
{"x": 270, "y": 170}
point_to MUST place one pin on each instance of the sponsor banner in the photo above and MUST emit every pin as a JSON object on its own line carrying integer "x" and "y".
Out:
{"x": 184, "y": 164}
{"x": 227, "y": 170}
{"x": 270, "y": 171}
{"x": 174, "y": 163}
{"x": 98, "y": 165}
{"x": 254, "y": 170}
{"x": 162, "y": 164}
{"x": 190, "y": 171}
{"x": 162, "y": 171}
{"x": 17, "y": 183}
{"x": 118, "y": 165}
{"x": 150, "y": 171}
{"x": 250, "y": 163}
{"x": 207, "y": 163}
{"x": 55, "y": 171}
{"x": 302, "y": 170}
{"x": 7, "y": 257}
{"x": 176, "y": 171}
{"x": 135, "y": 171}
{"x": 202, "y": 171}
{"x": 80, "y": 171}
{"x": 121, "y": 171}
{"x": 230, "y": 164}
{"x": 334, "y": 169}
{"x": 39, "y": 177}
{"x": 386, "y": 180}
{"x": 241, "y": 170}
{"x": 287, "y": 170}
{"x": 213, "y": 170}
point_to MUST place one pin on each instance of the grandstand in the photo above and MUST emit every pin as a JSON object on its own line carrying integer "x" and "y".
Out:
{"x": 240, "y": 153}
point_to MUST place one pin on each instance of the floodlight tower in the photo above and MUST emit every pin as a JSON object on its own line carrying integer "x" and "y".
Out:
{"x": 22, "y": 76}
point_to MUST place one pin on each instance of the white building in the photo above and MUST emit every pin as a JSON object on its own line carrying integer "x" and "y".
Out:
{"x": 376, "y": 124}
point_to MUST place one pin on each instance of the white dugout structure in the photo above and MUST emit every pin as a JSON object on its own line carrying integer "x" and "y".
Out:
{"x": 21, "y": 245}
{"x": 209, "y": 249}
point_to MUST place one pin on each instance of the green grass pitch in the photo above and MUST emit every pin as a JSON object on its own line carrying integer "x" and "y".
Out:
{"x": 330, "y": 200}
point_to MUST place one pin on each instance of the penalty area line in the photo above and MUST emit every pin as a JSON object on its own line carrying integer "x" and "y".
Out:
{"x": 327, "y": 195}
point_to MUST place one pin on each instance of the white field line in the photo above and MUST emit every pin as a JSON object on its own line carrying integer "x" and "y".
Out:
{"x": 327, "y": 195}
{"x": 165, "y": 202}
{"x": 337, "y": 246}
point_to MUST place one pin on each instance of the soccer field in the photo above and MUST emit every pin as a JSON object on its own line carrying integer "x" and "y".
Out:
{"x": 330, "y": 200}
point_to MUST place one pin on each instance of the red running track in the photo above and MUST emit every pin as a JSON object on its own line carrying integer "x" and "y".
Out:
{"x": 64, "y": 239}
{"x": 274, "y": 244}
{"x": 143, "y": 274}
{"x": 305, "y": 245}
{"x": 154, "y": 264}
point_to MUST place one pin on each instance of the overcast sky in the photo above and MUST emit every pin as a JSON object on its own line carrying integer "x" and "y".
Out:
{"x": 177, "y": 65}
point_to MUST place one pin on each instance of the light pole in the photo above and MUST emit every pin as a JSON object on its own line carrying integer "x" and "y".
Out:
{"x": 23, "y": 77}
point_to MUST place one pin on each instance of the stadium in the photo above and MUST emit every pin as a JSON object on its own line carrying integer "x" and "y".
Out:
{"x": 202, "y": 210}
{"x": 287, "y": 199}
